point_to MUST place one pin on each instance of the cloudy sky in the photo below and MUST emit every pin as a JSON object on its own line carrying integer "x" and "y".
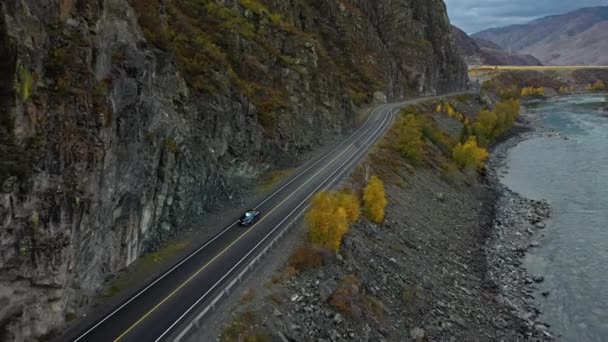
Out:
{"x": 476, "y": 15}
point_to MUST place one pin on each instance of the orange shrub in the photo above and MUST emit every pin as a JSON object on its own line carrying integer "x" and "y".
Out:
{"x": 374, "y": 199}
{"x": 347, "y": 297}
{"x": 306, "y": 257}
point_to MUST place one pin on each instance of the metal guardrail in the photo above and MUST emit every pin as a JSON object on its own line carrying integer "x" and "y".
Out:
{"x": 194, "y": 324}
{"x": 190, "y": 328}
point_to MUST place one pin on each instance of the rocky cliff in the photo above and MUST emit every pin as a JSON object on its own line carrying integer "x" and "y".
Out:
{"x": 124, "y": 122}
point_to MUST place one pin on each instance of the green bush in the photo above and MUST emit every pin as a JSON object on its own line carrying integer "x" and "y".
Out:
{"x": 490, "y": 125}
{"x": 511, "y": 92}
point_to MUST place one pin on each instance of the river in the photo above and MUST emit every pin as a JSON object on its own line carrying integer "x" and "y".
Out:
{"x": 572, "y": 175}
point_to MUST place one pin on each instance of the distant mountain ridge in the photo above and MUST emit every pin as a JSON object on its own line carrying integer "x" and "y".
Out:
{"x": 575, "y": 38}
{"x": 483, "y": 52}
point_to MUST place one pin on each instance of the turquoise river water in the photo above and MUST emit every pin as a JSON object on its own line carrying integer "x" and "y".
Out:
{"x": 572, "y": 175}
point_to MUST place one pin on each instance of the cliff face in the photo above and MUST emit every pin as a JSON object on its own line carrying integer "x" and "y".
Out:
{"x": 122, "y": 123}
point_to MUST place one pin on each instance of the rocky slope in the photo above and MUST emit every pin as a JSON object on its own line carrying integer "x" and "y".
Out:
{"x": 432, "y": 271}
{"x": 576, "y": 38}
{"x": 481, "y": 52}
{"x": 122, "y": 123}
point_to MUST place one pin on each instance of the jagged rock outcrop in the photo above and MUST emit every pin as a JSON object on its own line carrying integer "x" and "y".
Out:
{"x": 122, "y": 123}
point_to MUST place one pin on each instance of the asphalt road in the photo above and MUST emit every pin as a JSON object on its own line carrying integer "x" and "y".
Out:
{"x": 154, "y": 312}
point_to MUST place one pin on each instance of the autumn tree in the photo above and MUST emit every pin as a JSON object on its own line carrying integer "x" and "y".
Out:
{"x": 448, "y": 109}
{"x": 410, "y": 140}
{"x": 510, "y": 92}
{"x": 567, "y": 89}
{"x": 469, "y": 155}
{"x": 374, "y": 199}
{"x": 507, "y": 113}
{"x": 489, "y": 125}
{"x": 532, "y": 92}
{"x": 350, "y": 202}
{"x": 597, "y": 86}
{"x": 329, "y": 217}
{"x": 484, "y": 125}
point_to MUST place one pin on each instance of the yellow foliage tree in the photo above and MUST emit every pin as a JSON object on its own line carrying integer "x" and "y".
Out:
{"x": 350, "y": 203}
{"x": 506, "y": 113}
{"x": 492, "y": 124}
{"x": 532, "y": 92}
{"x": 450, "y": 110}
{"x": 511, "y": 92}
{"x": 597, "y": 86}
{"x": 340, "y": 228}
{"x": 374, "y": 199}
{"x": 410, "y": 140}
{"x": 469, "y": 154}
{"x": 329, "y": 216}
{"x": 484, "y": 125}
{"x": 567, "y": 89}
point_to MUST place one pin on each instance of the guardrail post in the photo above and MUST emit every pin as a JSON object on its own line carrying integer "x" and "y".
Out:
{"x": 197, "y": 321}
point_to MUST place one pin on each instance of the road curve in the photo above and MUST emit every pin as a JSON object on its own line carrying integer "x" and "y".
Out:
{"x": 154, "y": 312}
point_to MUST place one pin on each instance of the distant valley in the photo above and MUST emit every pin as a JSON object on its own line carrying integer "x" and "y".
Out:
{"x": 477, "y": 51}
{"x": 575, "y": 38}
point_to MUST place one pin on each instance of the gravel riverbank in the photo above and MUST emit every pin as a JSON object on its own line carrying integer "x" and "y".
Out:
{"x": 445, "y": 265}
{"x": 518, "y": 224}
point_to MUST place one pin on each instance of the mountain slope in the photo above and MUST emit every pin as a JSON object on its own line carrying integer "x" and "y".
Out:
{"x": 578, "y": 37}
{"x": 480, "y": 52}
{"x": 124, "y": 123}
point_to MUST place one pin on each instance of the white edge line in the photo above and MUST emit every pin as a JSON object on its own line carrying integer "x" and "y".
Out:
{"x": 224, "y": 231}
{"x": 349, "y": 161}
{"x": 327, "y": 154}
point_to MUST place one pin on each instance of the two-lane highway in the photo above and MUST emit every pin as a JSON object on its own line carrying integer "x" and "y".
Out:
{"x": 154, "y": 312}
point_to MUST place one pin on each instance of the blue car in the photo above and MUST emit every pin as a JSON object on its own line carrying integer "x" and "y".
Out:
{"x": 249, "y": 218}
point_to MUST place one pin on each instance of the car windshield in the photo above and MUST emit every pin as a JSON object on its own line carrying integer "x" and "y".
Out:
{"x": 249, "y": 214}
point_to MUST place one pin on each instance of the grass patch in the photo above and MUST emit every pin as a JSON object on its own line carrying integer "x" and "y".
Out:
{"x": 273, "y": 178}
{"x": 413, "y": 298}
{"x": 247, "y": 296}
{"x": 285, "y": 274}
{"x": 488, "y": 68}
{"x": 374, "y": 305}
{"x": 143, "y": 267}
{"x": 244, "y": 327}
{"x": 70, "y": 316}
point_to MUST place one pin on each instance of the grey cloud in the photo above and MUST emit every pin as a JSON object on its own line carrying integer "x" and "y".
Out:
{"x": 476, "y": 15}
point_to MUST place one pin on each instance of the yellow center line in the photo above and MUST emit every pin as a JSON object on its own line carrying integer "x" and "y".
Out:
{"x": 223, "y": 251}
